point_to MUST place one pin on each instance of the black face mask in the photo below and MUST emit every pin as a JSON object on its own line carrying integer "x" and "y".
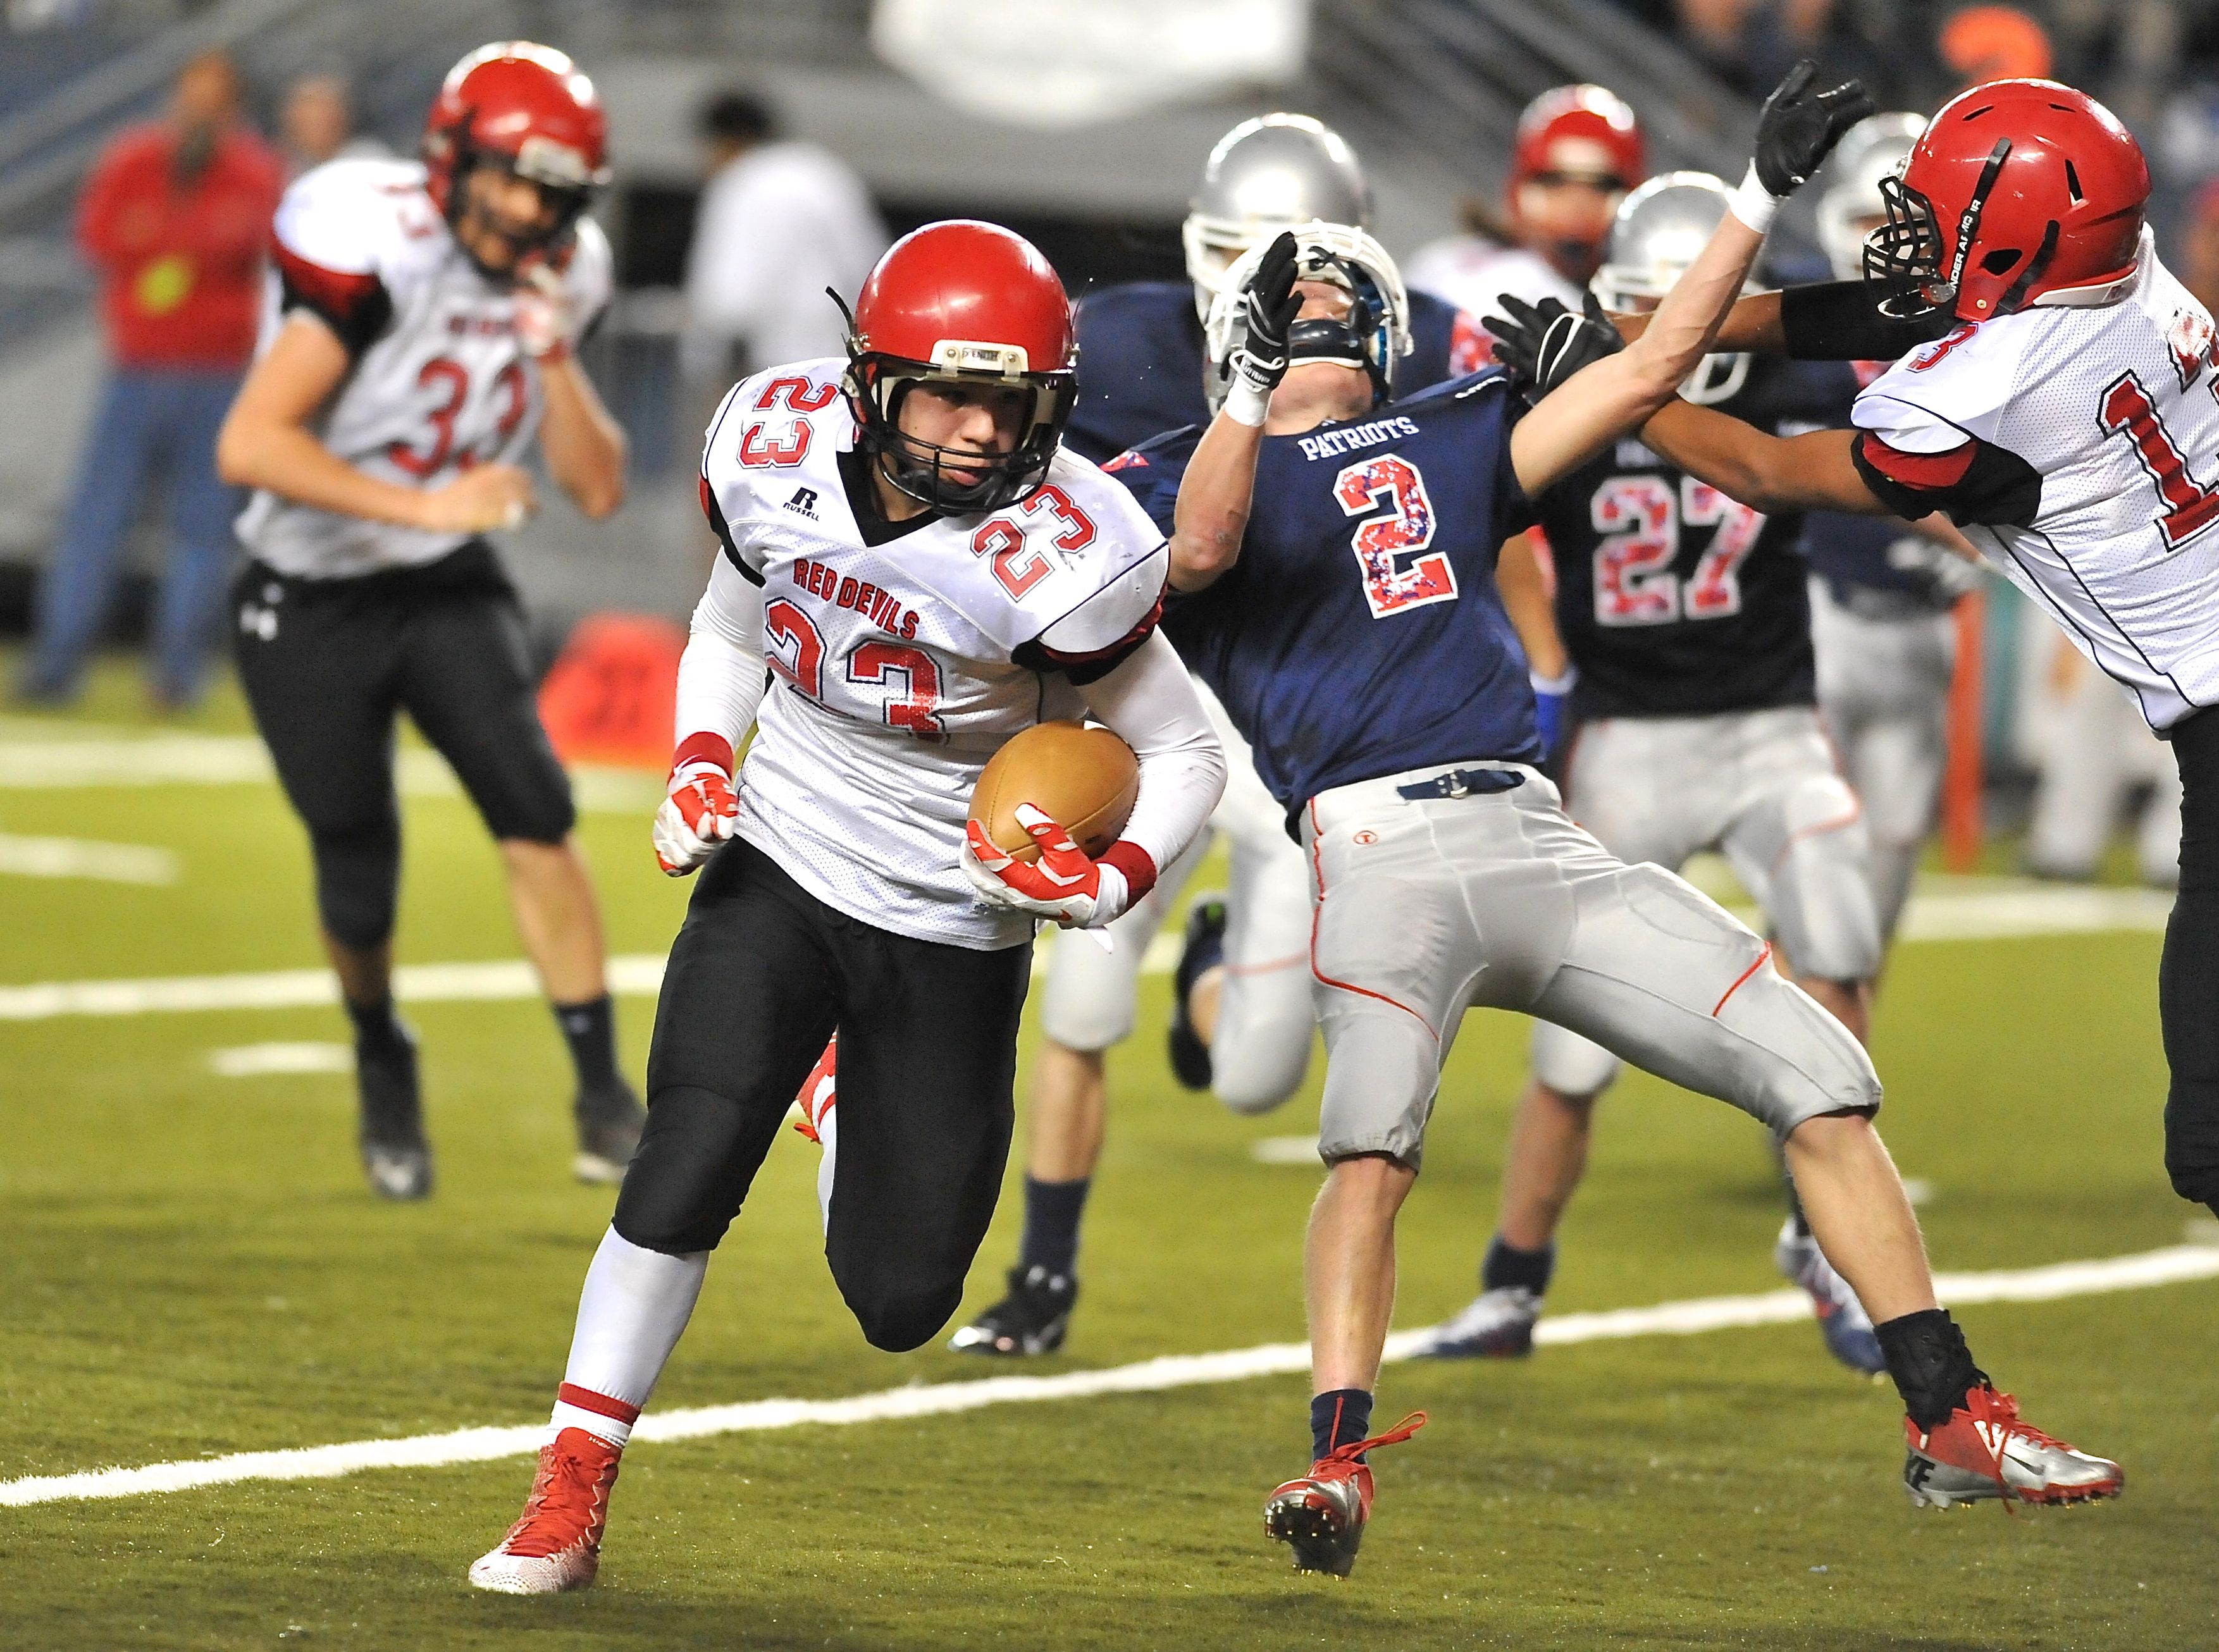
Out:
{"x": 569, "y": 206}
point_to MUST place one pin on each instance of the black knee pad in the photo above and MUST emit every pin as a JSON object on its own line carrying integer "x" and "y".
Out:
{"x": 357, "y": 883}
{"x": 899, "y": 1322}
{"x": 697, "y": 1157}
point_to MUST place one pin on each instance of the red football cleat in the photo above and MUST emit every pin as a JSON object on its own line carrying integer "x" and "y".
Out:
{"x": 818, "y": 1092}
{"x": 556, "y": 1544}
{"x": 1322, "y": 1516}
{"x": 1984, "y": 1451}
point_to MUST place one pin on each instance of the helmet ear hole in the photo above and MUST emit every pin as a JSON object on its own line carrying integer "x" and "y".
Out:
{"x": 2001, "y": 261}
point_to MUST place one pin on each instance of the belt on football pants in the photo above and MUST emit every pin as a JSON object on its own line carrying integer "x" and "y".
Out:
{"x": 1462, "y": 783}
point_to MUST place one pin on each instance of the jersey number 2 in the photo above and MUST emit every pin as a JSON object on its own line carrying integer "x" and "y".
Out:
{"x": 1640, "y": 518}
{"x": 1389, "y": 586}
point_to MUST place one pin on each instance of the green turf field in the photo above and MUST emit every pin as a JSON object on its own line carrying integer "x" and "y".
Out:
{"x": 191, "y": 1266}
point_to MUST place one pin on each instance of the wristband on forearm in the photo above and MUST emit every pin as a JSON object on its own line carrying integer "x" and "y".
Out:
{"x": 1753, "y": 203}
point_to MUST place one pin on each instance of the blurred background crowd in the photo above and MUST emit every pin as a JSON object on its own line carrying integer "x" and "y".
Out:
{"x": 766, "y": 149}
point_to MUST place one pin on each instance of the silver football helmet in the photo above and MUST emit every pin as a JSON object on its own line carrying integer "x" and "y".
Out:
{"x": 1273, "y": 173}
{"x": 1850, "y": 206}
{"x": 1373, "y": 335}
{"x": 1659, "y": 230}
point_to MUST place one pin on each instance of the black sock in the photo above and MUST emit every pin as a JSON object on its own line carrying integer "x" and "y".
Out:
{"x": 590, "y": 1030}
{"x": 1340, "y": 1418}
{"x": 1052, "y": 1213}
{"x": 1507, "y": 1265}
{"x": 377, "y": 1030}
{"x": 1932, "y": 1368}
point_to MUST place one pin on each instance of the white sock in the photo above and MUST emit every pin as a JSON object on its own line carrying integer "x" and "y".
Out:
{"x": 635, "y": 1304}
{"x": 828, "y": 1132}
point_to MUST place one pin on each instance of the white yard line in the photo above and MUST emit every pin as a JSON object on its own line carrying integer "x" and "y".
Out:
{"x": 76, "y": 857}
{"x": 261, "y": 1060}
{"x": 2176, "y": 1264}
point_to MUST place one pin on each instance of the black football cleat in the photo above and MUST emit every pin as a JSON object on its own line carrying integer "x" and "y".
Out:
{"x": 396, "y": 1157}
{"x": 610, "y": 1119}
{"x": 1204, "y": 950}
{"x": 1031, "y": 1320}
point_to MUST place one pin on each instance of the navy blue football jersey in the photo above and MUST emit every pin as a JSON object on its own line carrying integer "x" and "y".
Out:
{"x": 1850, "y": 551}
{"x": 1674, "y": 599}
{"x": 1140, "y": 361}
{"x": 1361, "y": 633}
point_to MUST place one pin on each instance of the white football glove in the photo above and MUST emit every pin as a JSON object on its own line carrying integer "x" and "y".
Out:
{"x": 546, "y": 318}
{"x": 697, "y": 818}
{"x": 1064, "y": 885}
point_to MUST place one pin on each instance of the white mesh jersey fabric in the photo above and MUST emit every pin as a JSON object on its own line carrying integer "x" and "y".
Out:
{"x": 894, "y": 679}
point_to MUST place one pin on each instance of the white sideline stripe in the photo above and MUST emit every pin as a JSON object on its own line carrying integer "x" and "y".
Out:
{"x": 2175, "y": 1264}
{"x": 258, "y": 1060}
{"x": 173, "y": 760}
{"x": 1932, "y": 918}
{"x": 78, "y": 857}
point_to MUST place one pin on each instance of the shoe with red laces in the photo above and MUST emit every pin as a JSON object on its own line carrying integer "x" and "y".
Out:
{"x": 556, "y": 1545}
{"x": 818, "y": 1093}
{"x": 1322, "y": 1516}
{"x": 1984, "y": 1450}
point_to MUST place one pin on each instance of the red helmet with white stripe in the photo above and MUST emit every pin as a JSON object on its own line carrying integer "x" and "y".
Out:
{"x": 2020, "y": 192}
{"x": 1579, "y": 136}
{"x": 526, "y": 109}
{"x": 968, "y": 304}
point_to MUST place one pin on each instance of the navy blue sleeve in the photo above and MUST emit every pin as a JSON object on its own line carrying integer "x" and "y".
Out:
{"x": 1153, "y": 471}
{"x": 1514, "y": 511}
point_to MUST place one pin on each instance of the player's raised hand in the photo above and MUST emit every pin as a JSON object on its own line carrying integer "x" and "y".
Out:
{"x": 1064, "y": 885}
{"x": 546, "y": 320}
{"x": 697, "y": 818}
{"x": 1799, "y": 127}
{"x": 483, "y": 498}
{"x": 1543, "y": 344}
{"x": 1269, "y": 305}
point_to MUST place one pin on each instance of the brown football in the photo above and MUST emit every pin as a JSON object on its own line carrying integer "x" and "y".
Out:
{"x": 1084, "y": 777}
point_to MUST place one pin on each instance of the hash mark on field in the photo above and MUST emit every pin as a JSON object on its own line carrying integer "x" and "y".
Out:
{"x": 2176, "y": 1264}
{"x": 257, "y": 1060}
{"x": 76, "y": 857}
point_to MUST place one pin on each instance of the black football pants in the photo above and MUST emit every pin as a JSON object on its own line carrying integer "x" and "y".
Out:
{"x": 2188, "y": 978}
{"x": 761, "y": 974}
{"x": 328, "y": 664}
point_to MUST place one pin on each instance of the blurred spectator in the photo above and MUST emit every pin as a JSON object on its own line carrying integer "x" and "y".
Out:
{"x": 781, "y": 222}
{"x": 2198, "y": 258}
{"x": 316, "y": 124}
{"x": 174, "y": 218}
{"x": 1985, "y": 43}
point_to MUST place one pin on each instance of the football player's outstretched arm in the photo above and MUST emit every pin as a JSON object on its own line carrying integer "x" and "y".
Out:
{"x": 1577, "y": 415}
{"x": 267, "y": 442}
{"x": 721, "y": 683}
{"x": 1219, "y": 487}
{"x": 1824, "y": 321}
{"x": 1767, "y": 473}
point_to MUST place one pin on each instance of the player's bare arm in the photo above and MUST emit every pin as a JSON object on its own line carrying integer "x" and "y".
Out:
{"x": 1220, "y": 485}
{"x": 1617, "y": 393}
{"x": 1772, "y": 473}
{"x": 267, "y": 442}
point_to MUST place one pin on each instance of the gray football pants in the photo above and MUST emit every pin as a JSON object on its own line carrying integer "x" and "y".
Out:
{"x": 1499, "y": 900}
{"x": 1760, "y": 786}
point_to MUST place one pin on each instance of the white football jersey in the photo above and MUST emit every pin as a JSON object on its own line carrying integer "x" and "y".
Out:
{"x": 439, "y": 383}
{"x": 1473, "y": 272}
{"x": 2117, "y": 409}
{"x": 899, "y": 668}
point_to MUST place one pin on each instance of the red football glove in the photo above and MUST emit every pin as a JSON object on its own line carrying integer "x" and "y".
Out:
{"x": 699, "y": 815}
{"x": 1064, "y": 885}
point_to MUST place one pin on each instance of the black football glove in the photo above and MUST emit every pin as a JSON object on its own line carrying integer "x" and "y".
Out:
{"x": 1269, "y": 305}
{"x": 1799, "y": 127}
{"x": 1543, "y": 344}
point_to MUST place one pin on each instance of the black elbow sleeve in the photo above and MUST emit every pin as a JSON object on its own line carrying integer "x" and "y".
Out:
{"x": 1841, "y": 321}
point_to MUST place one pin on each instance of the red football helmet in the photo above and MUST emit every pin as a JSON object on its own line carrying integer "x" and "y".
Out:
{"x": 1573, "y": 134}
{"x": 2019, "y": 192}
{"x": 971, "y": 304}
{"x": 525, "y": 108}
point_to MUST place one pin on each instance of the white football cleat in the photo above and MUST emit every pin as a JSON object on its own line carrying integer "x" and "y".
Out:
{"x": 556, "y": 1544}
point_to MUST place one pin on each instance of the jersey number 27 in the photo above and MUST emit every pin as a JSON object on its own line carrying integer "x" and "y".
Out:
{"x": 1640, "y": 518}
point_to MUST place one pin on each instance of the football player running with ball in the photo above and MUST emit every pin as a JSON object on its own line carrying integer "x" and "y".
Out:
{"x": 1337, "y": 556}
{"x": 925, "y": 574}
{"x": 420, "y": 340}
{"x": 2055, "y": 391}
